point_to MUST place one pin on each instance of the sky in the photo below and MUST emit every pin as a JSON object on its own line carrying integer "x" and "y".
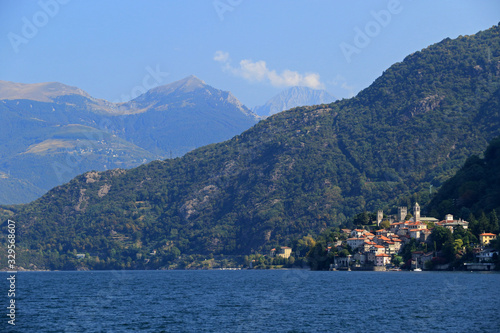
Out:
{"x": 116, "y": 50}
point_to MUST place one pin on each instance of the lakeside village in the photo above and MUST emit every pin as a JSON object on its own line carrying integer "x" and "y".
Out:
{"x": 397, "y": 242}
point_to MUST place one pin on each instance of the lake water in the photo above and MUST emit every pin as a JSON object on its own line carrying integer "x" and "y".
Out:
{"x": 254, "y": 301}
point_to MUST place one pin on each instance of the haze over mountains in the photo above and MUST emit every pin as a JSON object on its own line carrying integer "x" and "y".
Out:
{"x": 293, "y": 97}
{"x": 61, "y": 131}
{"x": 292, "y": 174}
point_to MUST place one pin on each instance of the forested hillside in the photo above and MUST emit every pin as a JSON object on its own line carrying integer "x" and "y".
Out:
{"x": 474, "y": 192}
{"x": 295, "y": 173}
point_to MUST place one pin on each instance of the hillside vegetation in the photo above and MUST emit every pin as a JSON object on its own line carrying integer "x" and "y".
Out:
{"x": 295, "y": 173}
{"x": 474, "y": 192}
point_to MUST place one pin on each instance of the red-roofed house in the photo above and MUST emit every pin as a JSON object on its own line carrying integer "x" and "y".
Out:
{"x": 403, "y": 231}
{"x": 395, "y": 227}
{"x": 452, "y": 224}
{"x": 486, "y": 238}
{"x": 414, "y": 233}
{"x": 368, "y": 244}
{"x": 382, "y": 259}
{"x": 397, "y": 244}
{"x": 358, "y": 232}
{"x": 355, "y": 242}
{"x": 377, "y": 249}
{"x": 390, "y": 247}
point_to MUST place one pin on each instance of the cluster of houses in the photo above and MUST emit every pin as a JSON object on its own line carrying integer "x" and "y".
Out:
{"x": 379, "y": 248}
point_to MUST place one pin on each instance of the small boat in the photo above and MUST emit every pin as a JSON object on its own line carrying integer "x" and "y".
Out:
{"x": 417, "y": 269}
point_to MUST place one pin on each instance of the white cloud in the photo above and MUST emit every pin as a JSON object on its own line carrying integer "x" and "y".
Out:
{"x": 221, "y": 56}
{"x": 258, "y": 71}
{"x": 341, "y": 81}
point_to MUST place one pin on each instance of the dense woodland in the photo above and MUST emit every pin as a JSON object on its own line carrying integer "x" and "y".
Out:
{"x": 294, "y": 174}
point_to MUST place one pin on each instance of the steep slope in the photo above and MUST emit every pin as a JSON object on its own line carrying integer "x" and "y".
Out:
{"x": 294, "y": 173}
{"x": 475, "y": 188}
{"x": 293, "y": 97}
{"x": 61, "y": 131}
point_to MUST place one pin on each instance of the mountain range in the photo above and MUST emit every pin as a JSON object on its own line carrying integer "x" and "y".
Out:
{"x": 61, "y": 131}
{"x": 290, "y": 175}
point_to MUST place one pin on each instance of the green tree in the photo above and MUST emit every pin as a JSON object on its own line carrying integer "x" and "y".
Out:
{"x": 385, "y": 224}
{"x": 484, "y": 223}
{"x": 449, "y": 251}
{"x": 441, "y": 235}
{"x": 458, "y": 244}
{"x": 397, "y": 261}
{"x": 317, "y": 258}
{"x": 494, "y": 227}
{"x": 362, "y": 219}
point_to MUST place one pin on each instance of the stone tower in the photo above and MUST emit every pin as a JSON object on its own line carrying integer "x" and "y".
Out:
{"x": 416, "y": 212}
{"x": 402, "y": 212}
{"x": 380, "y": 216}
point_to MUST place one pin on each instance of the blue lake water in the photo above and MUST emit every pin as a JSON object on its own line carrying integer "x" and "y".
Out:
{"x": 254, "y": 301}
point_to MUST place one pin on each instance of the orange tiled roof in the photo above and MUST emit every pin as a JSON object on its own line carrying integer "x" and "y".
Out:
{"x": 487, "y": 234}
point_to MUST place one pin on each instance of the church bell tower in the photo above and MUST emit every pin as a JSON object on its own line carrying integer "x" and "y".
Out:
{"x": 416, "y": 212}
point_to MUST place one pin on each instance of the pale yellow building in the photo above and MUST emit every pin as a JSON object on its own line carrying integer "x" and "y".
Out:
{"x": 285, "y": 252}
{"x": 486, "y": 238}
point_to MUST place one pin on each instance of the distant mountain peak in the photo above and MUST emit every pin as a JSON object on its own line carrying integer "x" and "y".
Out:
{"x": 188, "y": 84}
{"x": 42, "y": 92}
{"x": 181, "y": 93}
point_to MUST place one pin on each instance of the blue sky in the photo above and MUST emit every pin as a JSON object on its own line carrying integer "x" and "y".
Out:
{"x": 254, "y": 48}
